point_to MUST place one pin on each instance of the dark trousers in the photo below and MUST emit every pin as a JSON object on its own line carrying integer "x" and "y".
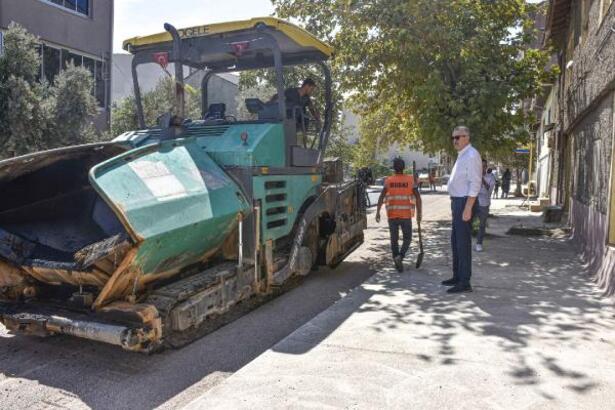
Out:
{"x": 483, "y": 214}
{"x": 461, "y": 241}
{"x": 406, "y": 229}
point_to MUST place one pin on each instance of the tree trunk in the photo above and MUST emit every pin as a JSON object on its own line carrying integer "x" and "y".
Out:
{"x": 518, "y": 189}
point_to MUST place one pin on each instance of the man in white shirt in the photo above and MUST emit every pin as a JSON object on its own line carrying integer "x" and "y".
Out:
{"x": 484, "y": 202}
{"x": 463, "y": 187}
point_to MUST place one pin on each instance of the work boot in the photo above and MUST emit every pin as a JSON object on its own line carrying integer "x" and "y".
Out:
{"x": 398, "y": 263}
{"x": 460, "y": 288}
{"x": 449, "y": 282}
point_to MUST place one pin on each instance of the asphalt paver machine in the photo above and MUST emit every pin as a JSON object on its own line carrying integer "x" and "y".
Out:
{"x": 143, "y": 241}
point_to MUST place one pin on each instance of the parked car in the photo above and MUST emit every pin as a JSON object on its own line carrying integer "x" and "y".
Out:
{"x": 423, "y": 180}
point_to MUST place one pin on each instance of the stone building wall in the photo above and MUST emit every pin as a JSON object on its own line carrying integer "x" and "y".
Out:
{"x": 587, "y": 104}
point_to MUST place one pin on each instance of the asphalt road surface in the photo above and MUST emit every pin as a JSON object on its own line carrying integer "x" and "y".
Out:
{"x": 63, "y": 372}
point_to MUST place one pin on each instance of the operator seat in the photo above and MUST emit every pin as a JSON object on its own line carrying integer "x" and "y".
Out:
{"x": 265, "y": 111}
{"x": 215, "y": 112}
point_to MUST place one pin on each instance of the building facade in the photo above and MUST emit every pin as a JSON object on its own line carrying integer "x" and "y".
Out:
{"x": 547, "y": 113}
{"x": 77, "y": 31}
{"x": 583, "y": 130}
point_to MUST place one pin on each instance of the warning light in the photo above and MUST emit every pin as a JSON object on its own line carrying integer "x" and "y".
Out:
{"x": 240, "y": 47}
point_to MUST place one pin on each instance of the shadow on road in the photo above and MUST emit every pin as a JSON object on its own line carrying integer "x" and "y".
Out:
{"x": 530, "y": 292}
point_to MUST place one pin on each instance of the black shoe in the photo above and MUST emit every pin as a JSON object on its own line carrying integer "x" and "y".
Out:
{"x": 459, "y": 288}
{"x": 449, "y": 282}
{"x": 398, "y": 263}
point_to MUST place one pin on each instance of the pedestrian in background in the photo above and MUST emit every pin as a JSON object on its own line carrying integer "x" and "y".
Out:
{"x": 496, "y": 189}
{"x": 403, "y": 199}
{"x": 432, "y": 180}
{"x": 463, "y": 187}
{"x": 506, "y": 178}
{"x": 484, "y": 202}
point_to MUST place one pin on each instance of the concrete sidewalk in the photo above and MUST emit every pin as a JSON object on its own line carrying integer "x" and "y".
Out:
{"x": 535, "y": 333}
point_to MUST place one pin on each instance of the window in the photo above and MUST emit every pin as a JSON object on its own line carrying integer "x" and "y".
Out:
{"x": 100, "y": 83}
{"x": 83, "y": 7}
{"x": 39, "y": 51}
{"x": 79, "y": 6}
{"x": 51, "y": 63}
{"x": 90, "y": 65}
{"x": 68, "y": 58}
{"x": 55, "y": 60}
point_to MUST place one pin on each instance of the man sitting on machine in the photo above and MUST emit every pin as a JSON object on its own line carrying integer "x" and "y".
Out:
{"x": 298, "y": 100}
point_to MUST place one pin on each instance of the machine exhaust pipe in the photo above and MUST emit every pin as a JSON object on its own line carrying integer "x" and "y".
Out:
{"x": 179, "y": 69}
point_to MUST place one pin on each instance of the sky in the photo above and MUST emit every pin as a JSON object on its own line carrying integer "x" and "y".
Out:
{"x": 143, "y": 17}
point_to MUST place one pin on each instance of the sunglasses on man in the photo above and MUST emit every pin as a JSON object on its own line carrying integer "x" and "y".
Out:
{"x": 456, "y": 137}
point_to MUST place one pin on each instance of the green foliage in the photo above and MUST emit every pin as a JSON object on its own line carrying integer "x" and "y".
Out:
{"x": 124, "y": 116}
{"x": 155, "y": 103}
{"x": 36, "y": 116}
{"x": 262, "y": 91}
{"x": 74, "y": 104}
{"x": 418, "y": 68}
{"x": 21, "y": 56}
{"x": 514, "y": 161}
{"x": 23, "y": 118}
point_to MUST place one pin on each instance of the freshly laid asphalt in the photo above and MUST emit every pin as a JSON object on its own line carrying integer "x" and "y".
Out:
{"x": 69, "y": 373}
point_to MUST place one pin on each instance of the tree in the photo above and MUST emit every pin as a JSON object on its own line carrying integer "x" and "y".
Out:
{"x": 36, "y": 115}
{"x": 23, "y": 115}
{"x": 421, "y": 67}
{"x": 155, "y": 103}
{"x": 74, "y": 105}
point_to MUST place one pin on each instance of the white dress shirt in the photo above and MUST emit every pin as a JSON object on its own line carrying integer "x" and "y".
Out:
{"x": 467, "y": 174}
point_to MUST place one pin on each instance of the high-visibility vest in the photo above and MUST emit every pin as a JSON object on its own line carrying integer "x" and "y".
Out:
{"x": 400, "y": 201}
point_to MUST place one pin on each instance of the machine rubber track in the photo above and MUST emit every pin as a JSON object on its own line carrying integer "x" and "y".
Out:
{"x": 170, "y": 297}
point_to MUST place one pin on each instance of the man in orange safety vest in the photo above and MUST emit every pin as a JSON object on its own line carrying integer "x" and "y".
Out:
{"x": 403, "y": 200}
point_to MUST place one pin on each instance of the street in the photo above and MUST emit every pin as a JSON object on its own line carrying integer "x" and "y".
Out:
{"x": 142, "y": 144}
{"x": 61, "y": 371}
{"x": 534, "y": 331}
{"x": 65, "y": 372}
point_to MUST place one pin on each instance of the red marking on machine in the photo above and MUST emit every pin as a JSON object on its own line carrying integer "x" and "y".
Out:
{"x": 162, "y": 59}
